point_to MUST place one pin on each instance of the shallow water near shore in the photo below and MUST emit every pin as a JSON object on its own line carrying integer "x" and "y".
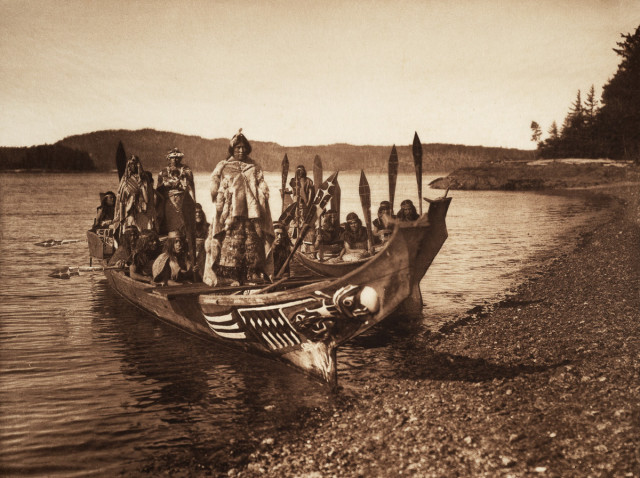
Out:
{"x": 90, "y": 385}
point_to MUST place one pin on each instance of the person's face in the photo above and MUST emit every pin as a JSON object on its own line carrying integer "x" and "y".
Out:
{"x": 406, "y": 208}
{"x": 133, "y": 167}
{"x": 240, "y": 152}
{"x": 353, "y": 225}
{"x": 110, "y": 200}
{"x": 383, "y": 211}
{"x": 153, "y": 244}
{"x": 279, "y": 239}
{"x": 178, "y": 245}
{"x": 173, "y": 162}
{"x": 199, "y": 216}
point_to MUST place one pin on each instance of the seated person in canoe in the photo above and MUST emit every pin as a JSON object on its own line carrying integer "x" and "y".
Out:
{"x": 174, "y": 265}
{"x": 355, "y": 240}
{"x": 329, "y": 240}
{"x": 145, "y": 253}
{"x": 125, "y": 247}
{"x": 407, "y": 211}
{"x": 281, "y": 248}
{"x": 382, "y": 225}
{"x": 241, "y": 234}
{"x": 105, "y": 212}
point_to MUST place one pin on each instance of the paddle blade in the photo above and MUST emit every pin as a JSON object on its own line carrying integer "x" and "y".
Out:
{"x": 121, "y": 160}
{"x": 365, "y": 191}
{"x": 317, "y": 170}
{"x": 288, "y": 214}
{"x": 393, "y": 174}
{"x": 335, "y": 198}
{"x": 285, "y": 174}
{"x": 417, "y": 162}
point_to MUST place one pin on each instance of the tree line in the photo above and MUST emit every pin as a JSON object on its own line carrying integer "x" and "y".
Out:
{"x": 50, "y": 157}
{"x": 609, "y": 128}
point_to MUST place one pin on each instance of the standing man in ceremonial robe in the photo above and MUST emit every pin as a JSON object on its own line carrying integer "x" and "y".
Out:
{"x": 135, "y": 202}
{"x": 177, "y": 205}
{"x": 241, "y": 233}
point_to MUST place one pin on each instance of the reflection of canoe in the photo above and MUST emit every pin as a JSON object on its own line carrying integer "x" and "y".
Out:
{"x": 302, "y": 322}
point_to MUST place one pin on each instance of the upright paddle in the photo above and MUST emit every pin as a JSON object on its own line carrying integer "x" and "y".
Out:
{"x": 365, "y": 200}
{"x": 417, "y": 162}
{"x": 121, "y": 160}
{"x": 335, "y": 199}
{"x": 393, "y": 175}
{"x": 285, "y": 173}
{"x": 317, "y": 171}
{"x": 323, "y": 196}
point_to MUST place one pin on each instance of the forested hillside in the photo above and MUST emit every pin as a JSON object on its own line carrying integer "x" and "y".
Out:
{"x": 54, "y": 157}
{"x": 203, "y": 154}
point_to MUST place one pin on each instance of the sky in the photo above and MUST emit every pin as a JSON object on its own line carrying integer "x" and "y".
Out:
{"x": 301, "y": 72}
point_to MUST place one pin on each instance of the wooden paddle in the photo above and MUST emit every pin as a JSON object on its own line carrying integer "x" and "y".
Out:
{"x": 323, "y": 196}
{"x": 285, "y": 173}
{"x": 57, "y": 242}
{"x": 417, "y": 162}
{"x": 317, "y": 171}
{"x": 393, "y": 175}
{"x": 121, "y": 160}
{"x": 365, "y": 200}
{"x": 67, "y": 272}
{"x": 335, "y": 199}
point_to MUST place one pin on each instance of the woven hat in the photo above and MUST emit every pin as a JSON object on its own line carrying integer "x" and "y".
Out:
{"x": 175, "y": 153}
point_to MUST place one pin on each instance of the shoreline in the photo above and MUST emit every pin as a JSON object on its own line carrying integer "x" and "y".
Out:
{"x": 545, "y": 381}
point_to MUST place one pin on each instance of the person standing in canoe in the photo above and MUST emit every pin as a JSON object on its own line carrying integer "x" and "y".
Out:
{"x": 202, "y": 232}
{"x": 135, "y": 202}
{"x": 241, "y": 234}
{"x": 177, "y": 199}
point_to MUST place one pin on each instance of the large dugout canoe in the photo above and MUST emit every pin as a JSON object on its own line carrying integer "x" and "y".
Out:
{"x": 304, "y": 322}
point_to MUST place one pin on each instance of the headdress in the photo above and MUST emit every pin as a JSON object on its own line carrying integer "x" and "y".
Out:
{"x": 175, "y": 153}
{"x": 175, "y": 235}
{"x": 239, "y": 138}
{"x": 278, "y": 225}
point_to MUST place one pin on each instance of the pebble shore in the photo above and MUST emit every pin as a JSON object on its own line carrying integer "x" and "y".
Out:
{"x": 544, "y": 383}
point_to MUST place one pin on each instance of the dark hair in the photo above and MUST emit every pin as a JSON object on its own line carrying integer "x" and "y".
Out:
{"x": 239, "y": 138}
{"x": 145, "y": 238}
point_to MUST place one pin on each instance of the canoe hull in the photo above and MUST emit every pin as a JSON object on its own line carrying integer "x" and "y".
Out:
{"x": 301, "y": 326}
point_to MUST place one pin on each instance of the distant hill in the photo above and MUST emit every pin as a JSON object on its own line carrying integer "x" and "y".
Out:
{"x": 48, "y": 157}
{"x": 203, "y": 154}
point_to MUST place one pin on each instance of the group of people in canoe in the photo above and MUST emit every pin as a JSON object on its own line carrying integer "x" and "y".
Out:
{"x": 163, "y": 236}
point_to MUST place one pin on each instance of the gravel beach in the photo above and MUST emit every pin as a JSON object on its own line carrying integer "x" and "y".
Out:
{"x": 544, "y": 383}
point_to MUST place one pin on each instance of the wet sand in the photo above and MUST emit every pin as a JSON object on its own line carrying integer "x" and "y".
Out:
{"x": 546, "y": 383}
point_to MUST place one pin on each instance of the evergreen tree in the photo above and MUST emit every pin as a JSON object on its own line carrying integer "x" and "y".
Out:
{"x": 619, "y": 117}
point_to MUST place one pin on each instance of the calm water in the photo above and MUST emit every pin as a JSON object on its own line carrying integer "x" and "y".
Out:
{"x": 89, "y": 385}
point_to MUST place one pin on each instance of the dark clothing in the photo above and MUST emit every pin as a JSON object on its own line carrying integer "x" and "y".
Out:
{"x": 356, "y": 240}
